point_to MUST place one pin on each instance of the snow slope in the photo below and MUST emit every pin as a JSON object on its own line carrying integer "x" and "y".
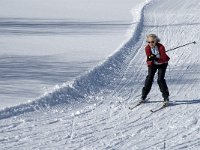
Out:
{"x": 70, "y": 36}
{"x": 92, "y": 112}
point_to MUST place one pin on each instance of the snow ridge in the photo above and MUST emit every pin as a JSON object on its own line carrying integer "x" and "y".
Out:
{"x": 102, "y": 77}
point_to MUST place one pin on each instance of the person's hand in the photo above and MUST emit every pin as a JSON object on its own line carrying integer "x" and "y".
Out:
{"x": 152, "y": 57}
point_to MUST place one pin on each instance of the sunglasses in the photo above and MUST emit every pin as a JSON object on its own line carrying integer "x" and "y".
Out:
{"x": 150, "y": 42}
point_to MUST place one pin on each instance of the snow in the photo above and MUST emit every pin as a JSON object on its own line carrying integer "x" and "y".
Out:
{"x": 69, "y": 37}
{"x": 92, "y": 112}
{"x": 86, "y": 31}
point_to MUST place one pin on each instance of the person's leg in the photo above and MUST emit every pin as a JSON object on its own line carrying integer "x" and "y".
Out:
{"x": 149, "y": 81}
{"x": 161, "y": 81}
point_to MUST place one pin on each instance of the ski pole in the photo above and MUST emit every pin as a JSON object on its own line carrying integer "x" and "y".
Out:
{"x": 180, "y": 46}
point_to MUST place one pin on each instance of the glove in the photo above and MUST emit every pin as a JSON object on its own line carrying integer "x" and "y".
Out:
{"x": 152, "y": 57}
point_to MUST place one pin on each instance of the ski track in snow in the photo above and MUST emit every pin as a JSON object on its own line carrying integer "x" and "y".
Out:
{"x": 93, "y": 113}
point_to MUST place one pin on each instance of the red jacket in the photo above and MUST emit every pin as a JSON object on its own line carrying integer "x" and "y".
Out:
{"x": 164, "y": 58}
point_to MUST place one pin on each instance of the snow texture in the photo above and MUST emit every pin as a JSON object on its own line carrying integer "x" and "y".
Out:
{"x": 92, "y": 112}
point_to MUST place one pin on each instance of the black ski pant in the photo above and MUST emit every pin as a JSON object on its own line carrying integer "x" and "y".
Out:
{"x": 161, "y": 80}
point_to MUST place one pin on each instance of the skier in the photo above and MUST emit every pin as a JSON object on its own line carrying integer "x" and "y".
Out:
{"x": 157, "y": 60}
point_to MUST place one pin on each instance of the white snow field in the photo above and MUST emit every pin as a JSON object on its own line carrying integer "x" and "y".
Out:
{"x": 92, "y": 112}
{"x": 68, "y": 36}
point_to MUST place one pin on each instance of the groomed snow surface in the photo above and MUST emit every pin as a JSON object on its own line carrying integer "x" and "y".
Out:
{"x": 92, "y": 112}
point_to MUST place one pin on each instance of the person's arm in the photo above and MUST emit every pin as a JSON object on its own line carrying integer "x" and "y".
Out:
{"x": 163, "y": 55}
{"x": 148, "y": 54}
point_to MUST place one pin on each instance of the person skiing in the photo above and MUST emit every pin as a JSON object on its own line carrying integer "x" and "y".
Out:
{"x": 157, "y": 60}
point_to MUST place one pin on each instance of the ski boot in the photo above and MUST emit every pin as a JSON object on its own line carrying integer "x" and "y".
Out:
{"x": 166, "y": 102}
{"x": 143, "y": 100}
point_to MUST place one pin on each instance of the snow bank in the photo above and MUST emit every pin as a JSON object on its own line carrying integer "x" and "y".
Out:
{"x": 103, "y": 76}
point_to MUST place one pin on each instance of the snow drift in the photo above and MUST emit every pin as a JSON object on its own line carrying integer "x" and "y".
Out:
{"x": 102, "y": 77}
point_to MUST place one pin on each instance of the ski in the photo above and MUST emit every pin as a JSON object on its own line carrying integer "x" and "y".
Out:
{"x": 132, "y": 107}
{"x": 160, "y": 108}
{"x": 136, "y": 104}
